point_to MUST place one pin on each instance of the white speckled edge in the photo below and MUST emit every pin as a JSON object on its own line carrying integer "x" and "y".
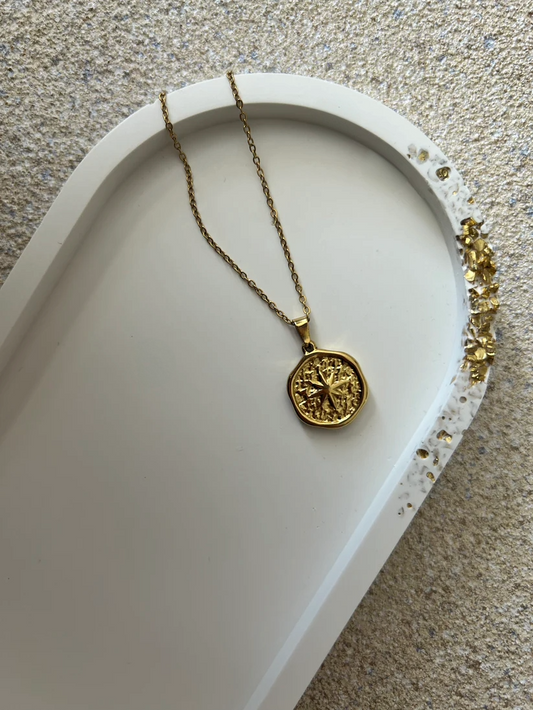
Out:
{"x": 107, "y": 164}
{"x": 464, "y": 399}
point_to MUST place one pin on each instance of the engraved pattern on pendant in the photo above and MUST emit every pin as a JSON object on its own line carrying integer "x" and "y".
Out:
{"x": 327, "y": 389}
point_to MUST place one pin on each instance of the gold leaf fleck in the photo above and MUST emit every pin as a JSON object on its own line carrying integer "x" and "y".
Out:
{"x": 471, "y": 259}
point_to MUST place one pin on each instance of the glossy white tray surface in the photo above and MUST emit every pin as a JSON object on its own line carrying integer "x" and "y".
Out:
{"x": 172, "y": 536}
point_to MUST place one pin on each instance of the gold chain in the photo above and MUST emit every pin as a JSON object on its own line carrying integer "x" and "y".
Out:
{"x": 270, "y": 202}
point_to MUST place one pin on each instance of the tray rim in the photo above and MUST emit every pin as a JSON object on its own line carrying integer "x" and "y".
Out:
{"x": 62, "y": 230}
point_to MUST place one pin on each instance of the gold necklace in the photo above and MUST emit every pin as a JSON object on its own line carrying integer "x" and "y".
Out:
{"x": 327, "y": 388}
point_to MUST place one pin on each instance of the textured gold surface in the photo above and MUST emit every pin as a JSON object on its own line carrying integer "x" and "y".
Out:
{"x": 327, "y": 388}
{"x": 446, "y": 625}
{"x": 480, "y": 272}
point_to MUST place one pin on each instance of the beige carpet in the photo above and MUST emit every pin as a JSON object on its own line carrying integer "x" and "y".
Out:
{"x": 448, "y": 622}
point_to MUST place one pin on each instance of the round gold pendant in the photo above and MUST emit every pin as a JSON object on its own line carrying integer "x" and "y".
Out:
{"x": 327, "y": 388}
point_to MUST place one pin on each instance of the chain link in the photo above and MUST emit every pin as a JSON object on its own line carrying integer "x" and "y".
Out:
{"x": 270, "y": 203}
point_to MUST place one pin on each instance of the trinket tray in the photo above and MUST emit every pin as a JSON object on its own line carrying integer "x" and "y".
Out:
{"x": 173, "y": 536}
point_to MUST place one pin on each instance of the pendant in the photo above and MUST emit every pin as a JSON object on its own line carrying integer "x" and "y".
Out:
{"x": 327, "y": 388}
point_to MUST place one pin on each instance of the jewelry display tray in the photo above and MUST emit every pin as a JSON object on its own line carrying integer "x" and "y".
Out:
{"x": 173, "y": 536}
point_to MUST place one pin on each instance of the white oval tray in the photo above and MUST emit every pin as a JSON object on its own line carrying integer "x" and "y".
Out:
{"x": 173, "y": 537}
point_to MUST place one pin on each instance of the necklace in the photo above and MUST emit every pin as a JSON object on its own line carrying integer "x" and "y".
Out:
{"x": 327, "y": 388}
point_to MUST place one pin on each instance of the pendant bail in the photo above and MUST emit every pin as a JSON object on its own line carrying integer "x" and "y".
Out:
{"x": 302, "y": 326}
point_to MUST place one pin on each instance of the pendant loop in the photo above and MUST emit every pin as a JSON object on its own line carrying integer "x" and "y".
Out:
{"x": 302, "y": 326}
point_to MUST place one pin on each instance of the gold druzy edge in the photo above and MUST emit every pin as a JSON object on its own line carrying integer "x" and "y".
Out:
{"x": 480, "y": 272}
{"x": 364, "y": 388}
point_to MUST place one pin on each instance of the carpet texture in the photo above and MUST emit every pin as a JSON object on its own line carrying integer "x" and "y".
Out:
{"x": 447, "y": 624}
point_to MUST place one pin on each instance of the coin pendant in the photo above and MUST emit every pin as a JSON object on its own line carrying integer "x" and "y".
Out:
{"x": 327, "y": 388}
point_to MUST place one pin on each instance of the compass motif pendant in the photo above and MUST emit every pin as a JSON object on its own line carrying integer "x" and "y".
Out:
{"x": 327, "y": 388}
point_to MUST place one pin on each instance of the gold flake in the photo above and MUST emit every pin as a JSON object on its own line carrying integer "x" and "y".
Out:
{"x": 443, "y": 173}
{"x": 423, "y": 453}
{"x": 471, "y": 259}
